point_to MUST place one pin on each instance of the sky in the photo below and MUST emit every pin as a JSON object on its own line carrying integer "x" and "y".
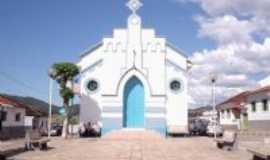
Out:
{"x": 227, "y": 37}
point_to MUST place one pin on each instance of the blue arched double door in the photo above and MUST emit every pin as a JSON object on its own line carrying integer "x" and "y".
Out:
{"x": 133, "y": 110}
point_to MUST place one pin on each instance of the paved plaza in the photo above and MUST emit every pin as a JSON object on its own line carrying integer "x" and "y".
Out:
{"x": 135, "y": 145}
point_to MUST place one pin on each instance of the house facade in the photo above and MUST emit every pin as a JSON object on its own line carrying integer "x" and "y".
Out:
{"x": 247, "y": 111}
{"x": 18, "y": 114}
{"x": 12, "y": 115}
{"x": 134, "y": 79}
{"x": 231, "y": 110}
{"x": 258, "y": 109}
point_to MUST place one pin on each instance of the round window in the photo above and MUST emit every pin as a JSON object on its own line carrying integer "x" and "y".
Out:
{"x": 92, "y": 85}
{"x": 175, "y": 85}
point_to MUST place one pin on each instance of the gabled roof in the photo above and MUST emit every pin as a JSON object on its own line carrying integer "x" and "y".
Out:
{"x": 234, "y": 102}
{"x": 176, "y": 49}
{"x": 33, "y": 106}
{"x": 92, "y": 48}
{"x": 6, "y": 102}
{"x": 261, "y": 90}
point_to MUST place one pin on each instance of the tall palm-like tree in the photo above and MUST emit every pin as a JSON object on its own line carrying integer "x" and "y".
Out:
{"x": 64, "y": 73}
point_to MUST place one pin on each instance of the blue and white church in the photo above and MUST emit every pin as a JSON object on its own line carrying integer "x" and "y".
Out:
{"x": 134, "y": 80}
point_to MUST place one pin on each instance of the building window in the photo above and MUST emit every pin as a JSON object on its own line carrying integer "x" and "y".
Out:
{"x": 41, "y": 125}
{"x": 18, "y": 117}
{"x": 222, "y": 114}
{"x": 175, "y": 86}
{"x": 253, "y": 106}
{"x": 4, "y": 116}
{"x": 92, "y": 85}
{"x": 228, "y": 114}
{"x": 265, "y": 105}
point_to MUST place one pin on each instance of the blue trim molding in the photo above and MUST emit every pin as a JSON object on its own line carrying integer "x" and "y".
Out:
{"x": 109, "y": 124}
{"x": 156, "y": 124}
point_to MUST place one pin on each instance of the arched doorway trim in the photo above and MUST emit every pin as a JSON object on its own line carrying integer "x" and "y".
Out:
{"x": 134, "y": 104}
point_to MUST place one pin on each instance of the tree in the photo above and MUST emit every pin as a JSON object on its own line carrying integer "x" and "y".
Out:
{"x": 64, "y": 73}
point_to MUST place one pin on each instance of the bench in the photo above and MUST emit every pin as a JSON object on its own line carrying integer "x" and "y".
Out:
{"x": 34, "y": 139}
{"x": 261, "y": 152}
{"x": 42, "y": 143}
{"x": 228, "y": 140}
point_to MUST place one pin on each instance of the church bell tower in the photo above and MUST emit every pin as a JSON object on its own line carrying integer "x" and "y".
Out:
{"x": 134, "y": 54}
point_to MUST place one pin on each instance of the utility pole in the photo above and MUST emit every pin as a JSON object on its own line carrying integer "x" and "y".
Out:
{"x": 213, "y": 77}
{"x": 51, "y": 74}
{"x": 50, "y": 107}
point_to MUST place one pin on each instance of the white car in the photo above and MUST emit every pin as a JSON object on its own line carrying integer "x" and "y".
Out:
{"x": 214, "y": 127}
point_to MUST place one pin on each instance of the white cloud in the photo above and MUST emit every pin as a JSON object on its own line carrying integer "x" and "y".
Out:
{"x": 256, "y": 8}
{"x": 255, "y": 11}
{"x": 226, "y": 29}
{"x": 236, "y": 66}
{"x": 242, "y": 33}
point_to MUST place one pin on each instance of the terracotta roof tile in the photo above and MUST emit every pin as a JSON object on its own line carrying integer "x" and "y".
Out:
{"x": 261, "y": 90}
{"x": 10, "y": 102}
{"x": 234, "y": 102}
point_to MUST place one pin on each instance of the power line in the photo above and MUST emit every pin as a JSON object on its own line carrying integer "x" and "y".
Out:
{"x": 20, "y": 83}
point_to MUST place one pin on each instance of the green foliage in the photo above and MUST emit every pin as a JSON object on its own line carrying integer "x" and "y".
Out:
{"x": 74, "y": 120}
{"x": 64, "y": 72}
{"x": 66, "y": 93}
{"x": 58, "y": 119}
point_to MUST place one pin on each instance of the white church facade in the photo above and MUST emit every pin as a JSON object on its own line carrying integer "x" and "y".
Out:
{"x": 134, "y": 79}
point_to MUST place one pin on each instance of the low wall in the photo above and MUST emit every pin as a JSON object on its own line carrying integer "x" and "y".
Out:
{"x": 230, "y": 127}
{"x": 259, "y": 125}
{"x": 12, "y": 132}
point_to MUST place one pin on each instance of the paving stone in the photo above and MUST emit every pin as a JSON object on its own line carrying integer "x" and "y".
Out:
{"x": 133, "y": 145}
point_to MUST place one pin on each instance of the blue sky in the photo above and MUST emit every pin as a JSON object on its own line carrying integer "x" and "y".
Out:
{"x": 38, "y": 33}
{"x": 231, "y": 38}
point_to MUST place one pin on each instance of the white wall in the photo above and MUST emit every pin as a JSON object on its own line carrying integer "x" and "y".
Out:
{"x": 176, "y": 101}
{"x": 228, "y": 118}
{"x": 133, "y": 52}
{"x": 260, "y": 114}
{"x": 11, "y": 112}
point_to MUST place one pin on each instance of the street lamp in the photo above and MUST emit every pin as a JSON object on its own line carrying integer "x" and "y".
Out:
{"x": 213, "y": 78}
{"x": 52, "y": 73}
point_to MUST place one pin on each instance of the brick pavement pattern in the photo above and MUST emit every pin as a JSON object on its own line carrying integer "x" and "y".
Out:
{"x": 134, "y": 145}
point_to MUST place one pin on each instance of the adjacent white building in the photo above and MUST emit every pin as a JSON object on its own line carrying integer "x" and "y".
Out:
{"x": 248, "y": 110}
{"x": 12, "y": 119}
{"x": 134, "y": 79}
{"x": 230, "y": 111}
{"x": 12, "y": 116}
{"x": 258, "y": 109}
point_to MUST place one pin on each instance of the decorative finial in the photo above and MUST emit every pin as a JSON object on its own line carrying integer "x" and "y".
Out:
{"x": 134, "y": 5}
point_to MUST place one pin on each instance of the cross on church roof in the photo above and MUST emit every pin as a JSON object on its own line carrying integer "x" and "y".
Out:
{"x": 134, "y": 5}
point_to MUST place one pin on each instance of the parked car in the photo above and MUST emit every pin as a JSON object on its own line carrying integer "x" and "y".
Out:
{"x": 198, "y": 127}
{"x": 56, "y": 130}
{"x": 214, "y": 126}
